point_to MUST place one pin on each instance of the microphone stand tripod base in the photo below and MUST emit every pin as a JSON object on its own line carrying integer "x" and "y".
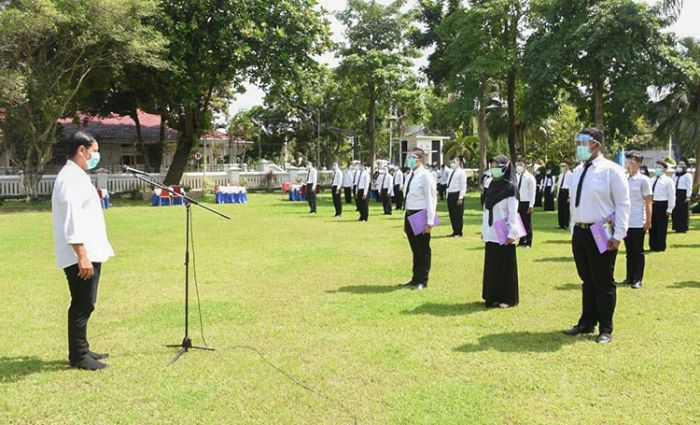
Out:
{"x": 184, "y": 347}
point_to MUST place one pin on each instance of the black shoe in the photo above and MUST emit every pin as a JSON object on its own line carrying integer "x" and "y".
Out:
{"x": 420, "y": 287}
{"x": 88, "y": 363}
{"x": 98, "y": 356}
{"x": 407, "y": 284}
{"x": 637, "y": 285}
{"x": 625, "y": 282}
{"x": 578, "y": 329}
{"x": 603, "y": 338}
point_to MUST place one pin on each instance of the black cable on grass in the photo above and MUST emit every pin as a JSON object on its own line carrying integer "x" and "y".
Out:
{"x": 196, "y": 283}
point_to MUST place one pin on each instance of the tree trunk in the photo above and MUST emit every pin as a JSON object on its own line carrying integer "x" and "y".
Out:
{"x": 696, "y": 177}
{"x": 187, "y": 140}
{"x": 511, "y": 116}
{"x": 481, "y": 128}
{"x": 141, "y": 143}
{"x": 598, "y": 105}
{"x": 371, "y": 126}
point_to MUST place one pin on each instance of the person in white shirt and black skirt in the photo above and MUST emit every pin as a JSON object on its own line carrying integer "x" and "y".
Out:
{"x": 664, "y": 200}
{"x": 81, "y": 245}
{"x": 421, "y": 194}
{"x": 527, "y": 190}
{"x": 398, "y": 187}
{"x": 684, "y": 191}
{"x": 500, "y": 283}
{"x": 563, "y": 207}
{"x": 600, "y": 201}
{"x": 336, "y": 188}
{"x": 640, "y": 219}
{"x": 456, "y": 188}
{"x": 347, "y": 184}
{"x": 548, "y": 190}
{"x": 363, "y": 187}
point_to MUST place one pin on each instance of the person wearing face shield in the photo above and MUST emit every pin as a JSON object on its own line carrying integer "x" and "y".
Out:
{"x": 421, "y": 194}
{"x": 80, "y": 243}
{"x": 456, "y": 188}
{"x": 640, "y": 219}
{"x": 600, "y": 204}
{"x": 664, "y": 199}
{"x": 527, "y": 188}
{"x": 500, "y": 282}
{"x": 683, "y": 181}
{"x": 311, "y": 185}
{"x": 563, "y": 207}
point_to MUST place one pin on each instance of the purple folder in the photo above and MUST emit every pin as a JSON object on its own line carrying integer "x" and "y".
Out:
{"x": 419, "y": 220}
{"x": 501, "y": 228}
{"x": 601, "y": 234}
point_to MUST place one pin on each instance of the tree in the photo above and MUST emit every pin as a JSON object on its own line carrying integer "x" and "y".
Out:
{"x": 214, "y": 45}
{"x": 678, "y": 113}
{"x": 377, "y": 55}
{"x": 48, "y": 49}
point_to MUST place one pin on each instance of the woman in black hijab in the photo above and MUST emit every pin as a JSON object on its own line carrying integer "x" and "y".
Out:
{"x": 500, "y": 284}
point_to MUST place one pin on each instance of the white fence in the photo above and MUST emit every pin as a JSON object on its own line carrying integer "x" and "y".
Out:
{"x": 119, "y": 183}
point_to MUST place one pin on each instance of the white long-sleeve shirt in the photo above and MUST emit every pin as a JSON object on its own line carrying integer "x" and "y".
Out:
{"x": 684, "y": 182}
{"x": 457, "y": 182}
{"x": 347, "y": 178}
{"x": 421, "y": 192}
{"x": 664, "y": 191}
{"x": 363, "y": 182}
{"x": 640, "y": 188}
{"x": 547, "y": 181}
{"x": 603, "y": 193}
{"x": 506, "y": 208}
{"x": 527, "y": 188}
{"x": 337, "y": 178}
{"x": 312, "y": 177}
{"x": 563, "y": 181}
{"x": 77, "y": 217}
{"x": 398, "y": 178}
{"x": 443, "y": 175}
{"x": 386, "y": 181}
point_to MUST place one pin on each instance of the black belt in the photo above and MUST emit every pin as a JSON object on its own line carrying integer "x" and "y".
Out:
{"x": 585, "y": 226}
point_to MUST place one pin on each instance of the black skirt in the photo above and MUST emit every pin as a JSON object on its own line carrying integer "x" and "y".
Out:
{"x": 500, "y": 275}
{"x": 681, "y": 212}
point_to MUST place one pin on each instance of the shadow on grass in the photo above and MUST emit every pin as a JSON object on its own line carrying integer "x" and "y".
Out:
{"x": 686, "y": 284}
{"x": 555, "y": 260}
{"x": 12, "y": 369}
{"x": 520, "y": 342}
{"x": 692, "y": 245}
{"x": 568, "y": 286}
{"x": 445, "y": 310}
{"x": 558, "y": 242}
{"x": 368, "y": 289}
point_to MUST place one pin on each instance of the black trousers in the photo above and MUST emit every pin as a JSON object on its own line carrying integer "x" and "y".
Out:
{"x": 337, "y": 201}
{"x": 422, "y": 255}
{"x": 634, "y": 245}
{"x": 348, "y": 195}
{"x": 83, "y": 296}
{"x": 538, "y": 197}
{"x": 527, "y": 222}
{"x": 363, "y": 205}
{"x": 563, "y": 208}
{"x": 311, "y": 197}
{"x": 357, "y": 201}
{"x": 456, "y": 213}
{"x": 398, "y": 195}
{"x": 386, "y": 201}
{"x": 548, "y": 199}
{"x": 442, "y": 189}
{"x": 659, "y": 226}
{"x": 597, "y": 271}
{"x": 681, "y": 212}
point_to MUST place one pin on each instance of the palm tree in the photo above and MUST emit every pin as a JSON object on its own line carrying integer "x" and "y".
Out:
{"x": 673, "y": 6}
{"x": 678, "y": 113}
{"x": 463, "y": 146}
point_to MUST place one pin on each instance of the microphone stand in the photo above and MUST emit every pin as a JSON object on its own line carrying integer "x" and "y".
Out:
{"x": 186, "y": 343}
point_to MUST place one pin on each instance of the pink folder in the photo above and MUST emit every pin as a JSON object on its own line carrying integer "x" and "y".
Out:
{"x": 501, "y": 228}
{"x": 419, "y": 220}
{"x": 601, "y": 234}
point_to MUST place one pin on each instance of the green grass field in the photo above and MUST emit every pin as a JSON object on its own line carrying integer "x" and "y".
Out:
{"x": 319, "y": 298}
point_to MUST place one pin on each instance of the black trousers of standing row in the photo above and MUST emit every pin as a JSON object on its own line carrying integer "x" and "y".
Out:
{"x": 362, "y": 205}
{"x": 681, "y": 212}
{"x": 83, "y": 296}
{"x": 311, "y": 197}
{"x": 456, "y": 213}
{"x": 597, "y": 271}
{"x": 348, "y": 195}
{"x": 422, "y": 255}
{"x": 563, "y": 208}
{"x": 398, "y": 195}
{"x": 386, "y": 201}
{"x": 527, "y": 222}
{"x": 634, "y": 245}
{"x": 442, "y": 189}
{"x": 357, "y": 201}
{"x": 659, "y": 226}
{"x": 337, "y": 201}
{"x": 548, "y": 199}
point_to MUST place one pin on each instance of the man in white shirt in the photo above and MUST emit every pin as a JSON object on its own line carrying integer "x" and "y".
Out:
{"x": 386, "y": 186}
{"x": 640, "y": 219}
{"x": 664, "y": 200}
{"x": 347, "y": 184}
{"x": 600, "y": 197}
{"x": 563, "y": 207}
{"x": 527, "y": 188}
{"x": 80, "y": 242}
{"x": 336, "y": 188}
{"x": 548, "y": 190}
{"x": 456, "y": 188}
{"x": 420, "y": 195}
{"x": 683, "y": 181}
{"x": 311, "y": 184}
{"x": 363, "y": 188}
{"x": 443, "y": 175}
{"x": 398, "y": 188}
{"x": 355, "y": 180}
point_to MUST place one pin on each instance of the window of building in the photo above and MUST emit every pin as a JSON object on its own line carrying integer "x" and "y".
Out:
{"x": 435, "y": 156}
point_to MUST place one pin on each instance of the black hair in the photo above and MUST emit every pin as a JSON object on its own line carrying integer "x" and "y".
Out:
{"x": 79, "y": 139}
{"x": 418, "y": 152}
{"x": 596, "y": 133}
{"x": 636, "y": 156}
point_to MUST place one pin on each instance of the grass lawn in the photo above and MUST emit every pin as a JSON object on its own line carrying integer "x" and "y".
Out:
{"x": 319, "y": 298}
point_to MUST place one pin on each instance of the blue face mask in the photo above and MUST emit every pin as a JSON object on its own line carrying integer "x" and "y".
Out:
{"x": 412, "y": 162}
{"x": 497, "y": 173}
{"x": 583, "y": 152}
{"x": 519, "y": 169}
{"x": 94, "y": 160}
{"x": 658, "y": 171}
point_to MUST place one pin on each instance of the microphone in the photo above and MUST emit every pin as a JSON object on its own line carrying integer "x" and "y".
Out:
{"x": 128, "y": 169}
